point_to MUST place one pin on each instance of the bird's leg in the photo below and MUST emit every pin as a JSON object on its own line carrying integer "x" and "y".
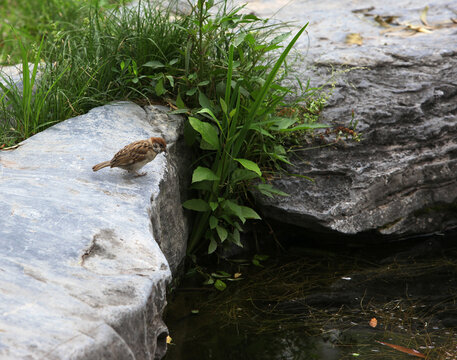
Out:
{"x": 136, "y": 173}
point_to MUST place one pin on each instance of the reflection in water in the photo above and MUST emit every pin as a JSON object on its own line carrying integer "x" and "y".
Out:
{"x": 314, "y": 304}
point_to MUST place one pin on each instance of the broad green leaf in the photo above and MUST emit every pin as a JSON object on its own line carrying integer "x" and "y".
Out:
{"x": 261, "y": 130}
{"x": 171, "y": 80}
{"x": 207, "y": 131}
{"x": 279, "y": 149}
{"x": 220, "y": 285}
{"x": 179, "y": 111}
{"x": 211, "y": 114}
{"x": 238, "y": 226}
{"x": 202, "y": 173}
{"x": 196, "y": 205}
{"x": 239, "y": 39}
{"x": 213, "y": 205}
{"x": 227, "y": 219}
{"x": 256, "y": 263}
{"x": 250, "y": 165}
{"x": 258, "y": 258}
{"x": 282, "y": 123}
{"x": 222, "y": 232}
{"x": 203, "y": 83}
{"x": 204, "y": 101}
{"x": 261, "y": 257}
{"x": 154, "y": 64}
{"x": 223, "y": 105}
{"x": 213, "y": 221}
{"x": 191, "y": 91}
{"x": 269, "y": 190}
{"x": 235, "y": 237}
{"x": 180, "y": 103}
{"x": 249, "y": 213}
{"x": 210, "y": 281}
{"x": 173, "y": 61}
{"x": 212, "y": 246}
{"x": 280, "y": 38}
{"x": 205, "y": 145}
{"x": 250, "y": 39}
{"x": 203, "y": 186}
{"x": 234, "y": 207}
{"x": 159, "y": 88}
{"x": 279, "y": 157}
{"x": 220, "y": 274}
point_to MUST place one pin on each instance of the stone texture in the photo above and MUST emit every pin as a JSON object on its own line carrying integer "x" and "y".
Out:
{"x": 82, "y": 274}
{"x": 168, "y": 222}
{"x": 400, "y": 179}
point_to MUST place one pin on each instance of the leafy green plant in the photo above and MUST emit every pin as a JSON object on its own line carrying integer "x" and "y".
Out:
{"x": 228, "y": 140}
{"x": 221, "y": 66}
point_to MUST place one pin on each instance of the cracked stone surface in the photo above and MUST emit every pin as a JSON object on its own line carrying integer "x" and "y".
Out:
{"x": 400, "y": 179}
{"x": 81, "y": 273}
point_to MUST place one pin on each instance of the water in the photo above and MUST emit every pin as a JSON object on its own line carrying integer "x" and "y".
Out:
{"x": 317, "y": 302}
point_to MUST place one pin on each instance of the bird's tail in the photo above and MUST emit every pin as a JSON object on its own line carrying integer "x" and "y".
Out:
{"x": 101, "y": 165}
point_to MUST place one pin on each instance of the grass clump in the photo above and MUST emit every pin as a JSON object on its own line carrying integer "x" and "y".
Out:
{"x": 220, "y": 66}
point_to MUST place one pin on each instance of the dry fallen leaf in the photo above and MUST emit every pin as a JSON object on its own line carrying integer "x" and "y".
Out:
{"x": 364, "y": 10}
{"x": 385, "y": 21}
{"x": 403, "y": 349}
{"x": 417, "y": 28}
{"x": 424, "y": 16}
{"x": 354, "y": 38}
{"x": 10, "y": 148}
{"x": 381, "y": 21}
{"x": 373, "y": 322}
{"x": 236, "y": 275}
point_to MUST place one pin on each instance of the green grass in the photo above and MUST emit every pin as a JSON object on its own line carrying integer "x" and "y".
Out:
{"x": 221, "y": 67}
{"x": 32, "y": 19}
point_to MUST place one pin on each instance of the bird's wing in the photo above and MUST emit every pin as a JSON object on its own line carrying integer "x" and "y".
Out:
{"x": 131, "y": 154}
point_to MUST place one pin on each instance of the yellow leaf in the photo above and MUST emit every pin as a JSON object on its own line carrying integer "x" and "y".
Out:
{"x": 373, "y": 322}
{"x": 236, "y": 275}
{"x": 417, "y": 28}
{"x": 354, "y": 38}
{"x": 169, "y": 339}
{"x": 424, "y": 16}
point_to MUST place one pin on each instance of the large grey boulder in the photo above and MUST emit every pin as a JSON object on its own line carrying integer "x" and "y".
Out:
{"x": 401, "y": 178}
{"x": 82, "y": 274}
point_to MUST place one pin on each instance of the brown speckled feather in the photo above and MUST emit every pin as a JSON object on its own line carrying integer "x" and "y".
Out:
{"x": 132, "y": 153}
{"x": 135, "y": 155}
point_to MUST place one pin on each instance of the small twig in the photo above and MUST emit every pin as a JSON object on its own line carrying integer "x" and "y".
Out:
{"x": 11, "y": 147}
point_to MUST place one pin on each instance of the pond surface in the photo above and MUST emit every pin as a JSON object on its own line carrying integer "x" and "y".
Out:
{"x": 324, "y": 303}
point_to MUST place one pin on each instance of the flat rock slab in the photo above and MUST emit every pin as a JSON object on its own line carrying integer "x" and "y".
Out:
{"x": 401, "y": 83}
{"x": 82, "y": 276}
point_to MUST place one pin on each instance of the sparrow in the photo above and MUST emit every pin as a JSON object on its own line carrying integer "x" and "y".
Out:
{"x": 135, "y": 155}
